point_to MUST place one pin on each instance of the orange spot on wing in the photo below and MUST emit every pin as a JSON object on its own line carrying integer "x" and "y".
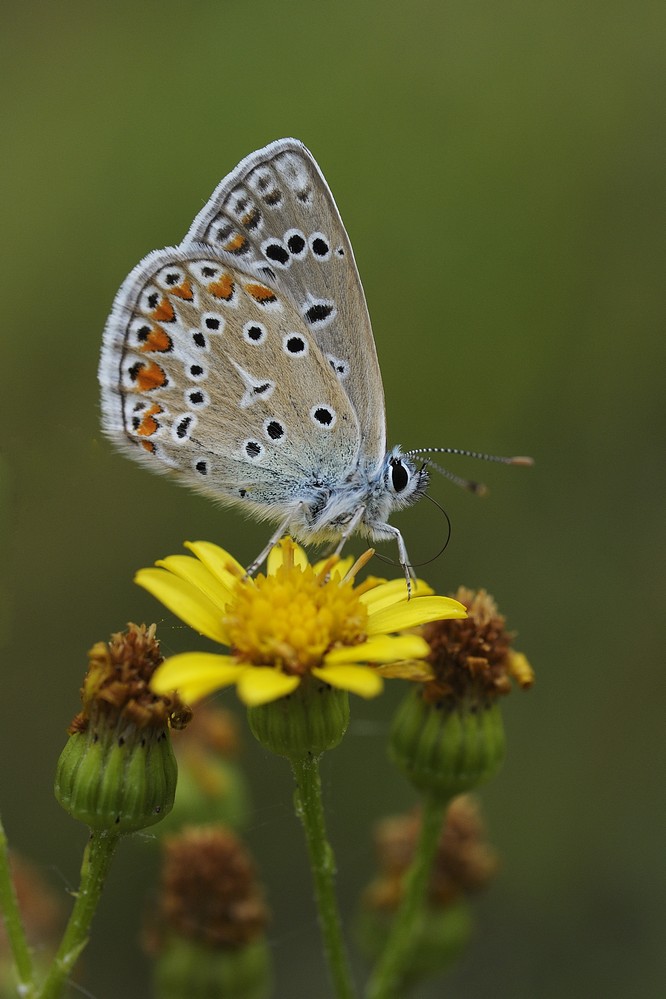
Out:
{"x": 183, "y": 290}
{"x": 157, "y": 340}
{"x": 223, "y": 287}
{"x": 149, "y": 446}
{"x": 260, "y": 293}
{"x": 251, "y": 218}
{"x": 147, "y": 375}
{"x": 164, "y": 313}
{"x": 149, "y": 424}
{"x": 235, "y": 244}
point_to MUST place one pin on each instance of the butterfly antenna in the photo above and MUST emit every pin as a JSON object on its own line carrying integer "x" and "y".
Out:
{"x": 478, "y": 488}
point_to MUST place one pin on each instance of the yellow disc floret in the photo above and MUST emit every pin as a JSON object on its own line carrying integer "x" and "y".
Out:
{"x": 291, "y": 618}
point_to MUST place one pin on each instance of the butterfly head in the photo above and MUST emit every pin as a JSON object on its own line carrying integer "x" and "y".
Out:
{"x": 404, "y": 481}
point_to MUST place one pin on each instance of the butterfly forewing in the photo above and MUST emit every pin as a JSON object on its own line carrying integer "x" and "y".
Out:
{"x": 210, "y": 373}
{"x": 275, "y": 213}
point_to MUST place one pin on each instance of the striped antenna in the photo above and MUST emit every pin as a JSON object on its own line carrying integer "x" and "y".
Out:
{"x": 478, "y": 488}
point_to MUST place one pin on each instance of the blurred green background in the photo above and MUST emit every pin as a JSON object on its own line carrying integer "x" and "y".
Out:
{"x": 504, "y": 163}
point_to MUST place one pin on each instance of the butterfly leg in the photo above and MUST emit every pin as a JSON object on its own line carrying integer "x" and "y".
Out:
{"x": 386, "y": 530}
{"x": 263, "y": 554}
{"x": 349, "y": 529}
{"x": 410, "y": 574}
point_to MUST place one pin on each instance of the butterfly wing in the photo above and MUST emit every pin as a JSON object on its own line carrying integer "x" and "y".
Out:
{"x": 275, "y": 211}
{"x": 210, "y": 374}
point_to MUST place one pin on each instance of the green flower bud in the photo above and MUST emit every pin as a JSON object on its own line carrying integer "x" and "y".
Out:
{"x": 118, "y": 772}
{"x": 117, "y": 780}
{"x": 307, "y": 722}
{"x": 448, "y": 735}
{"x": 445, "y": 750}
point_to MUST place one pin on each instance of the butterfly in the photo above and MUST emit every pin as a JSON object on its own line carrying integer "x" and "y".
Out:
{"x": 241, "y": 362}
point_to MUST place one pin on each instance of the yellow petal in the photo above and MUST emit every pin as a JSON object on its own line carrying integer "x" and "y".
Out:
{"x": 410, "y": 669}
{"x": 195, "y": 674}
{"x": 199, "y": 575}
{"x": 369, "y": 583}
{"x": 410, "y": 613}
{"x": 261, "y": 684}
{"x": 520, "y": 669}
{"x": 387, "y": 594}
{"x": 222, "y": 565}
{"x": 382, "y": 649}
{"x": 184, "y": 600}
{"x": 358, "y": 679}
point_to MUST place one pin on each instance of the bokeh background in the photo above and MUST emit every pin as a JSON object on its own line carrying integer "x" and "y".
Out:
{"x": 501, "y": 165}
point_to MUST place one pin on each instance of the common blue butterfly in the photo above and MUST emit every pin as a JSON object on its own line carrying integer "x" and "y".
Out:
{"x": 242, "y": 363}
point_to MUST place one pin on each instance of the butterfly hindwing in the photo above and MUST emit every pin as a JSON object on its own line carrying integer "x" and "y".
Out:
{"x": 210, "y": 373}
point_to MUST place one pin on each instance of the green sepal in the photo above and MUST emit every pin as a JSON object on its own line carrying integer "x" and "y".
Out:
{"x": 189, "y": 970}
{"x": 117, "y": 782}
{"x": 307, "y": 722}
{"x": 447, "y": 750}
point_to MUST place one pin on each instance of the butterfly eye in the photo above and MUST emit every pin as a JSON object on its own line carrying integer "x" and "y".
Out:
{"x": 399, "y": 475}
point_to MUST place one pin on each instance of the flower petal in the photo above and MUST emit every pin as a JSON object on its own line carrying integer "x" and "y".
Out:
{"x": 382, "y": 649}
{"x": 359, "y": 680}
{"x": 184, "y": 600}
{"x": 261, "y": 684}
{"x": 195, "y": 674}
{"x": 410, "y": 613}
{"x": 520, "y": 669}
{"x": 387, "y": 594}
{"x": 198, "y": 575}
{"x": 369, "y": 583}
{"x": 218, "y": 561}
{"x": 407, "y": 669}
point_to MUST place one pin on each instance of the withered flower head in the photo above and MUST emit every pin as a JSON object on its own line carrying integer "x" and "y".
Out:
{"x": 209, "y": 889}
{"x": 117, "y": 771}
{"x": 464, "y": 861}
{"x": 472, "y": 658}
{"x": 117, "y": 685}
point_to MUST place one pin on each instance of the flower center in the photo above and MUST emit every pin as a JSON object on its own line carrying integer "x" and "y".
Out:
{"x": 292, "y": 617}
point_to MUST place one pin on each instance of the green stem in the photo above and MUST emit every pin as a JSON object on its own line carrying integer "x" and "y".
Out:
{"x": 13, "y": 924}
{"x": 387, "y": 978}
{"x": 310, "y": 811}
{"x": 94, "y": 869}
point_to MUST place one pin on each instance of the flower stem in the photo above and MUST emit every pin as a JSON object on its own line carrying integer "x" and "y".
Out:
{"x": 13, "y": 924}
{"x": 310, "y": 811}
{"x": 97, "y": 859}
{"x": 387, "y": 979}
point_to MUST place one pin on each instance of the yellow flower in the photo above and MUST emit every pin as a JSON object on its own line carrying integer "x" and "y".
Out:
{"x": 295, "y": 620}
